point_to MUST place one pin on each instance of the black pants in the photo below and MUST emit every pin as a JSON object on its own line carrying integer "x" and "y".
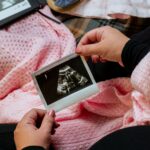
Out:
{"x": 133, "y": 138}
{"x": 7, "y": 137}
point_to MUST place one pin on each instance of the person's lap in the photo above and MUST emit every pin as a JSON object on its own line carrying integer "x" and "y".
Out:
{"x": 7, "y": 136}
{"x": 133, "y": 138}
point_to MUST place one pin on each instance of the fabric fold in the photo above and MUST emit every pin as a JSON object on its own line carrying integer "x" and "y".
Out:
{"x": 106, "y": 8}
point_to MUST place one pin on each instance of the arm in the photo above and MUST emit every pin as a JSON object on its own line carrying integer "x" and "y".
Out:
{"x": 137, "y": 50}
{"x": 133, "y": 53}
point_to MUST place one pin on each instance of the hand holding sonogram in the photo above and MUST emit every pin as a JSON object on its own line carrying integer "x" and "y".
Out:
{"x": 69, "y": 79}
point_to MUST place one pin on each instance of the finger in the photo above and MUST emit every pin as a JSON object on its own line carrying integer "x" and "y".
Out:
{"x": 91, "y": 37}
{"x": 90, "y": 49}
{"x": 32, "y": 116}
{"x": 102, "y": 60}
{"x": 56, "y": 124}
{"x": 95, "y": 58}
{"x": 86, "y": 58}
{"x": 52, "y": 113}
{"x": 47, "y": 123}
{"x": 53, "y": 132}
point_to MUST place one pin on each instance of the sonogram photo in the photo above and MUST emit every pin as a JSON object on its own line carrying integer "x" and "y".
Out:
{"x": 64, "y": 79}
{"x": 68, "y": 79}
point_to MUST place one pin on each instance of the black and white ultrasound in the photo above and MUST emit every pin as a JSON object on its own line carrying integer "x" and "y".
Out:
{"x": 63, "y": 80}
{"x": 69, "y": 79}
{"x": 4, "y": 4}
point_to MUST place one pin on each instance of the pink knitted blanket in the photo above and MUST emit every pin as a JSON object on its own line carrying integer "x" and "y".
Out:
{"x": 35, "y": 42}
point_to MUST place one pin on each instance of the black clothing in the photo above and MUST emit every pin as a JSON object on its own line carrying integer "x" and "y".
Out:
{"x": 135, "y": 49}
{"x": 133, "y": 138}
{"x": 132, "y": 54}
{"x": 107, "y": 70}
{"x": 33, "y": 148}
{"x": 7, "y": 137}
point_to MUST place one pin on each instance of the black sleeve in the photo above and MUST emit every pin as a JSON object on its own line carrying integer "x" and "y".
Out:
{"x": 135, "y": 49}
{"x": 143, "y": 36}
{"x": 133, "y": 52}
{"x": 33, "y": 148}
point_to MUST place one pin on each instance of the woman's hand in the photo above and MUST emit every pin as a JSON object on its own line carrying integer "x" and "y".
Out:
{"x": 104, "y": 43}
{"x": 35, "y": 129}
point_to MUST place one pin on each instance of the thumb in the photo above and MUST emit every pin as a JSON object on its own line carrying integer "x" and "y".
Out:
{"x": 47, "y": 123}
{"x": 89, "y": 49}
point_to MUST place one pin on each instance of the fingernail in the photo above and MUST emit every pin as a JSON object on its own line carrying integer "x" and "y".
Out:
{"x": 78, "y": 50}
{"x": 51, "y": 113}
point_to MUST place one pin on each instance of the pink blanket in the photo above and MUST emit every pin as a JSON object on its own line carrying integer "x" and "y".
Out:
{"x": 119, "y": 104}
{"x": 27, "y": 46}
{"x": 35, "y": 42}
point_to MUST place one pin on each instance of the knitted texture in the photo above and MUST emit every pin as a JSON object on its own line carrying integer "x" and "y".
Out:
{"x": 29, "y": 45}
{"x": 141, "y": 96}
{"x": 141, "y": 76}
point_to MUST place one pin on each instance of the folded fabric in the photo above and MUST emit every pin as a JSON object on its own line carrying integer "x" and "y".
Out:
{"x": 65, "y": 3}
{"x": 107, "y": 8}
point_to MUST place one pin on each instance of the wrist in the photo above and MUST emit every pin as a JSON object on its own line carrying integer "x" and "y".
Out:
{"x": 120, "y": 51}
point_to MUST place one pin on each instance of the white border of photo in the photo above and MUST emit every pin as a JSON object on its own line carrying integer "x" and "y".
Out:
{"x": 72, "y": 98}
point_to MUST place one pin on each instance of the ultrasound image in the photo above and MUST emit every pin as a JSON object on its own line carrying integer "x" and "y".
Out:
{"x": 69, "y": 79}
{"x": 61, "y": 81}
